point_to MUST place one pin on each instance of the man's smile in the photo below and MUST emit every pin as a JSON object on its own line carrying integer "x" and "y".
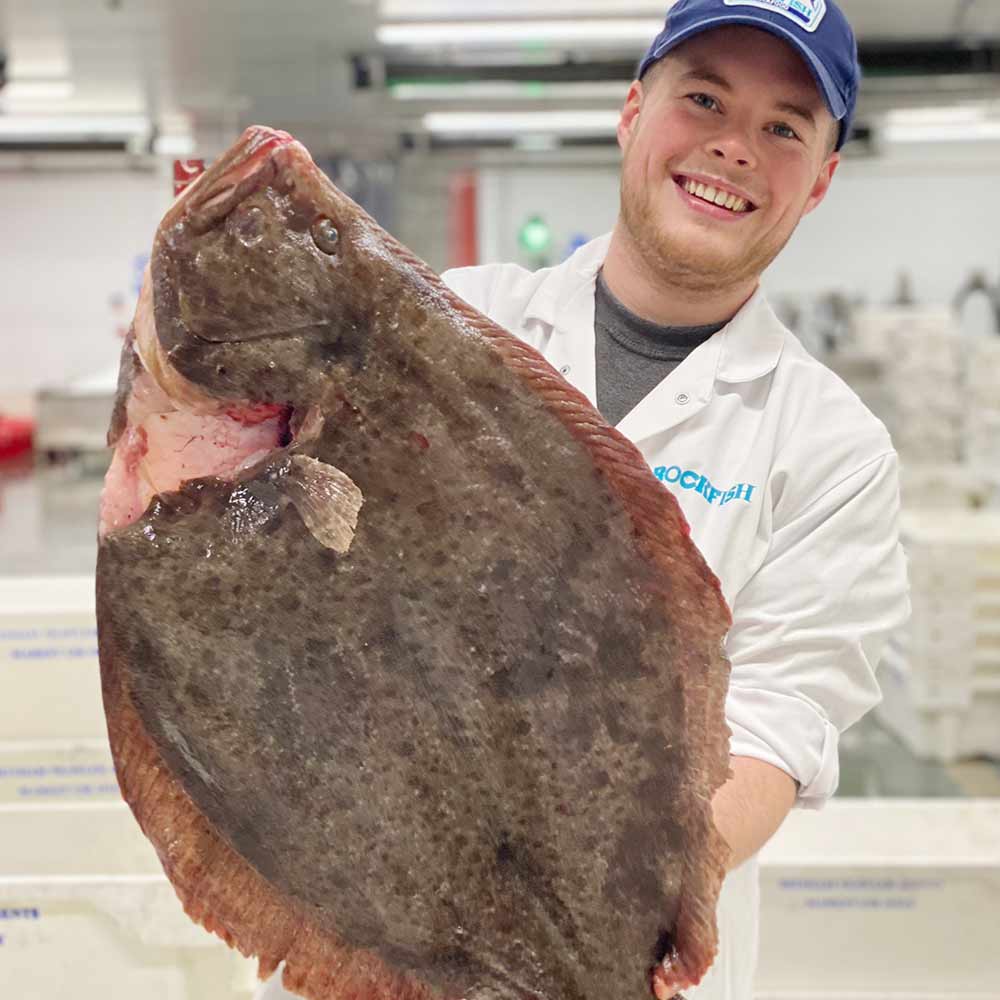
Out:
{"x": 713, "y": 194}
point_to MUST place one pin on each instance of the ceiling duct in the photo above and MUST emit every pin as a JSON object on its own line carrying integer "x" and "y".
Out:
{"x": 878, "y": 60}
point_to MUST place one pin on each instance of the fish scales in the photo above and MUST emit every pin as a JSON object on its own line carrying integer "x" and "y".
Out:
{"x": 472, "y": 754}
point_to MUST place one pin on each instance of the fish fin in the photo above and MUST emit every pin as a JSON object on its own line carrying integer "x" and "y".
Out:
{"x": 327, "y": 500}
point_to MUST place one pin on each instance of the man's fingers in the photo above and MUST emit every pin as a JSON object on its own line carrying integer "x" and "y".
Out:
{"x": 662, "y": 993}
{"x": 669, "y": 977}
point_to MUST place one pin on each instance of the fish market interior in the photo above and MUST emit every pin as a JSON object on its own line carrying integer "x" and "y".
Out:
{"x": 479, "y": 132}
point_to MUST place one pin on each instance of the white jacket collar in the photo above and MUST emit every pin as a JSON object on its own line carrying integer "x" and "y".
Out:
{"x": 749, "y": 345}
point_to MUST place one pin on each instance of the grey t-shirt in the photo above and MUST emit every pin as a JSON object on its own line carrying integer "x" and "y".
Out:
{"x": 634, "y": 355}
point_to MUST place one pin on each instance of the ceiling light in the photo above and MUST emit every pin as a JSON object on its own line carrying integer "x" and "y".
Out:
{"x": 632, "y": 31}
{"x": 981, "y": 131}
{"x": 42, "y": 127}
{"x": 39, "y": 60}
{"x": 425, "y": 10}
{"x": 477, "y": 123}
{"x": 938, "y": 115}
{"x": 958, "y": 123}
{"x": 33, "y": 91}
{"x": 488, "y": 90}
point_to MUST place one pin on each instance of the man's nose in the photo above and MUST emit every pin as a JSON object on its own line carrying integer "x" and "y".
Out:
{"x": 735, "y": 148}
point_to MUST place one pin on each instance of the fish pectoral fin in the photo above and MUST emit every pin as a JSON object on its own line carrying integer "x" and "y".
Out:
{"x": 327, "y": 500}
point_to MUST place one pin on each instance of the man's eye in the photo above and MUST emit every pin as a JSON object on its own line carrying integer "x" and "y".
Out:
{"x": 704, "y": 101}
{"x": 784, "y": 131}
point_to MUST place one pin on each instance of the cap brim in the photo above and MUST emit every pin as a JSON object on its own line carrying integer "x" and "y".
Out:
{"x": 833, "y": 98}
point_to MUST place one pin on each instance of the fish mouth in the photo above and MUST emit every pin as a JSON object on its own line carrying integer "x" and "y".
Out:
{"x": 245, "y": 168}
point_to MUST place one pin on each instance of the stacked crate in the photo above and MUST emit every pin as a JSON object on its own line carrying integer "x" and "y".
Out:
{"x": 85, "y": 909}
{"x": 921, "y": 351}
{"x": 923, "y": 381}
{"x": 941, "y": 674}
{"x": 951, "y": 486}
{"x": 981, "y": 431}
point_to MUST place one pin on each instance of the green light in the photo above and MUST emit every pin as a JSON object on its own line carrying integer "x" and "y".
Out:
{"x": 535, "y": 235}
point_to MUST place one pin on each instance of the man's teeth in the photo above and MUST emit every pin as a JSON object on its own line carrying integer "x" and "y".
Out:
{"x": 720, "y": 198}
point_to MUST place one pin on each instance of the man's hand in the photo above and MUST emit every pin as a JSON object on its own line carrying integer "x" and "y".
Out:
{"x": 747, "y": 809}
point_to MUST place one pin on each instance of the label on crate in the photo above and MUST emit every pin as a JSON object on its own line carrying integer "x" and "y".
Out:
{"x": 861, "y": 893}
{"x": 47, "y": 640}
{"x": 10, "y": 915}
{"x": 50, "y": 683}
{"x": 58, "y": 775}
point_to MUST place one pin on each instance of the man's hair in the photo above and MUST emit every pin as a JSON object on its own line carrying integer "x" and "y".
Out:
{"x": 655, "y": 71}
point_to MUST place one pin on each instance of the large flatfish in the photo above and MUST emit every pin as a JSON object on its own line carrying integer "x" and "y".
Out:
{"x": 413, "y": 675}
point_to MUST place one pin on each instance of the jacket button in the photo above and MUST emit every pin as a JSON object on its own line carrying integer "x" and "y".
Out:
{"x": 682, "y": 399}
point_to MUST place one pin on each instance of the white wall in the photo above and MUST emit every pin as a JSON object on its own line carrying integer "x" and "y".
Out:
{"x": 932, "y": 211}
{"x": 70, "y": 241}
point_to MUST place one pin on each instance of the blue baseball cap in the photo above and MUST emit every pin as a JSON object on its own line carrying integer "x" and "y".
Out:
{"x": 817, "y": 29}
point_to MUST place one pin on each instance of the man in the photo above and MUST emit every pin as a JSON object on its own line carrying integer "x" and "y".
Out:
{"x": 729, "y": 136}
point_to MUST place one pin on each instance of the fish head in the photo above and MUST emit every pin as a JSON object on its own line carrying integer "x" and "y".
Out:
{"x": 266, "y": 279}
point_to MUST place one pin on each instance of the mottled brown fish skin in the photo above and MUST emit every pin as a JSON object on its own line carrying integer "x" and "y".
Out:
{"x": 481, "y": 743}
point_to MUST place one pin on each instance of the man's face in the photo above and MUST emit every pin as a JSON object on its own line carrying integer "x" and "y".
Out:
{"x": 735, "y": 109}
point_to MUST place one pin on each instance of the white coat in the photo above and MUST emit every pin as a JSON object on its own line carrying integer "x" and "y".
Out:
{"x": 790, "y": 486}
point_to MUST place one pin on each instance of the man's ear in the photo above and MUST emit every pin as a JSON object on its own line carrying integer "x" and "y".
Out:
{"x": 823, "y": 181}
{"x": 630, "y": 113}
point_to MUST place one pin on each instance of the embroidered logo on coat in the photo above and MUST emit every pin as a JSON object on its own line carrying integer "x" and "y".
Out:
{"x": 805, "y": 13}
{"x": 688, "y": 479}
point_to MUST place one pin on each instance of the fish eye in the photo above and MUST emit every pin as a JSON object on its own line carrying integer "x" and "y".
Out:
{"x": 325, "y": 235}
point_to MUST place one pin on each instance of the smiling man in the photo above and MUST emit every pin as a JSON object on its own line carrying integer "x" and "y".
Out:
{"x": 730, "y": 134}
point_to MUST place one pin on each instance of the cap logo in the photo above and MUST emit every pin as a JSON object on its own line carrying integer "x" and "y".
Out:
{"x": 807, "y": 14}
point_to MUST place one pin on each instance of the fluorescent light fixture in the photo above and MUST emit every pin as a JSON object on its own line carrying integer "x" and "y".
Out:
{"x": 426, "y": 10}
{"x": 72, "y": 127}
{"x": 485, "y": 124}
{"x": 938, "y": 115}
{"x": 630, "y": 31}
{"x": 33, "y": 91}
{"x": 43, "y": 60}
{"x": 504, "y": 90}
{"x": 983, "y": 131}
{"x": 959, "y": 123}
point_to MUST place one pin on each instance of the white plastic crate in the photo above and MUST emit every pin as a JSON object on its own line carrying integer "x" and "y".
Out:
{"x": 873, "y": 328}
{"x": 940, "y": 727}
{"x": 50, "y": 684}
{"x": 940, "y": 676}
{"x": 85, "y": 909}
{"x": 924, "y": 402}
{"x": 877, "y": 898}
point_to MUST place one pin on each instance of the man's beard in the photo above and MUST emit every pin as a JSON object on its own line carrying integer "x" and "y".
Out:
{"x": 685, "y": 263}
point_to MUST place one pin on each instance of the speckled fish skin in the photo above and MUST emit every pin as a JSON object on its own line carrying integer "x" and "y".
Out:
{"x": 471, "y": 756}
